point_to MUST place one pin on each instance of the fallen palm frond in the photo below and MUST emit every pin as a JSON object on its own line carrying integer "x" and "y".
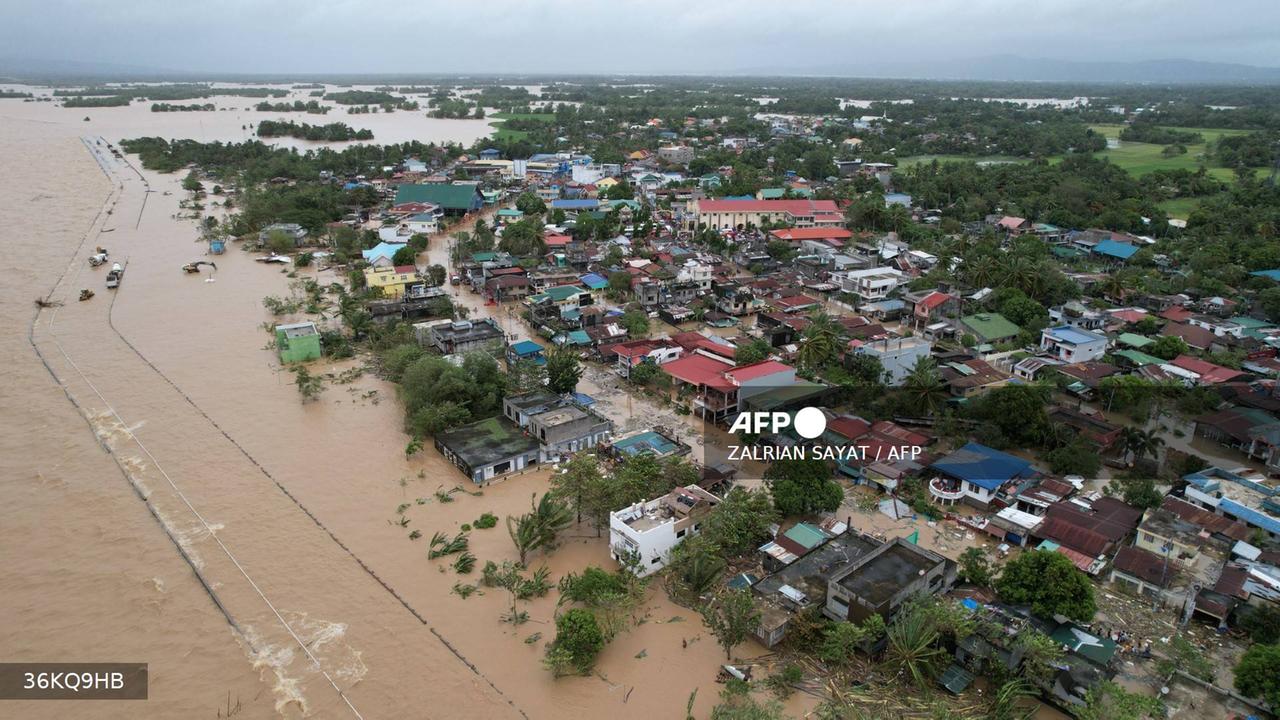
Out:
{"x": 442, "y": 545}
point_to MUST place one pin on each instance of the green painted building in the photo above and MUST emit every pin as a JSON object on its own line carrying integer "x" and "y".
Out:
{"x": 298, "y": 342}
{"x": 455, "y": 199}
{"x": 991, "y": 328}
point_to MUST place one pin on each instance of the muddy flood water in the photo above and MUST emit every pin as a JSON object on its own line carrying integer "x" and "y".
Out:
{"x": 169, "y": 500}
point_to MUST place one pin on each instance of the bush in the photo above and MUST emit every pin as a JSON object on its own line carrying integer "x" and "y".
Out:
{"x": 578, "y": 642}
{"x": 486, "y": 521}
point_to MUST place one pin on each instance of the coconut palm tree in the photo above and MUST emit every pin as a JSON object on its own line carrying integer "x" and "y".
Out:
{"x": 1141, "y": 443}
{"x": 820, "y": 341}
{"x": 924, "y": 388}
{"x": 912, "y": 647}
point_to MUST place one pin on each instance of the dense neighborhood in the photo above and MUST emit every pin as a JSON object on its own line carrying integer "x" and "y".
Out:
{"x": 1071, "y": 394}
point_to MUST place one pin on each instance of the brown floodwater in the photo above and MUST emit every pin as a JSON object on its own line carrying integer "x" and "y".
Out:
{"x": 171, "y": 500}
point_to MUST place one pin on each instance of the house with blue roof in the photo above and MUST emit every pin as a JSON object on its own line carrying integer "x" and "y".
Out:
{"x": 1114, "y": 250}
{"x": 575, "y": 205}
{"x": 1254, "y": 502}
{"x": 525, "y": 350}
{"x": 594, "y": 281}
{"x": 380, "y": 255}
{"x": 1273, "y": 274}
{"x": 975, "y": 473}
{"x": 1072, "y": 345}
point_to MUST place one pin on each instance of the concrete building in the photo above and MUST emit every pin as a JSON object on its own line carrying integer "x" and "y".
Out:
{"x": 487, "y": 449}
{"x": 1072, "y": 344}
{"x": 460, "y": 336}
{"x": 881, "y": 581}
{"x": 297, "y": 342}
{"x": 650, "y": 530}
{"x": 975, "y": 473}
{"x": 898, "y": 355}
{"x": 293, "y": 231}
{"x": 738, "y": 214}
{"x": 871, "y": 284}
{"x": 676, "y": 154}
{"x": 568, "y": 428}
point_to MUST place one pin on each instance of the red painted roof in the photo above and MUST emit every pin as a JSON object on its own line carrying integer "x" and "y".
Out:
{"x": 1177, "y": 313}
{"x": 557, "y": 240}
{"x": 697, "y": 341}
{"x": 793, "y": 207}
{"x": 699, "y": 369}
{"x": 406, "y": 269}
{"x": 797, "y": 234}
{"x": 1209, "y": 373}
{"x": 849, "y": 426}
{"x": 757, "y": 370}
{"x": 1129, "y": 315}
{"x": 933, "y": 300}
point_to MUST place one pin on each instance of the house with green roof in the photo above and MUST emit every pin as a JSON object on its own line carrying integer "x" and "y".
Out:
{"x": 454, "y": 199}
{"x": 1133, "y": 340}
{"x": 1138, "y": 358}
{"x": 487, "y": 449}
{"x": 1253, "y": 327}
{"x": 990, "y": 328}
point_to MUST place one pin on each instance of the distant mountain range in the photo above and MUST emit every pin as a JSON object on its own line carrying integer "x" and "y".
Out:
{"x": 1015, "y": 68}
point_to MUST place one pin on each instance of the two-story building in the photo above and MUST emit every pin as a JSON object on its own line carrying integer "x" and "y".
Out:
{"x": 1072, "y": 344}
{"x": 648, "y": 531}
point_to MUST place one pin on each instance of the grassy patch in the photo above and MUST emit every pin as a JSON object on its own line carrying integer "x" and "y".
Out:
{"x": 501, "y": 133}
{"x": 1141, "y": 158}
{"x": 1180, "y": 208}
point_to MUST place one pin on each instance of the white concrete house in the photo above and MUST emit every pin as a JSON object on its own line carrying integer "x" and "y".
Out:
{"x": 649, "y": 530}
{"x": 1072, "y": 345}
{"x": 871, "y": 284}
{"x": 897, "y": 355}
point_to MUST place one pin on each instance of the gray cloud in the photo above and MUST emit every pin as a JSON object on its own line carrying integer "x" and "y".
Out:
{"x": 626, "y": 36}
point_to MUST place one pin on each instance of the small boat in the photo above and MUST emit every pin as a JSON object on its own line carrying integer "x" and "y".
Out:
{"x": 279, "y": 259}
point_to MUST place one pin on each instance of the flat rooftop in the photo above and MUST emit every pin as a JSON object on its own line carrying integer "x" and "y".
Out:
{"x": 882, "y": 575}
{"x": 810, "y": 573}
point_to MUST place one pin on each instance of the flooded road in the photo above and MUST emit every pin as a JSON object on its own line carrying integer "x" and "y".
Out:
{"x": 266, "y": 573}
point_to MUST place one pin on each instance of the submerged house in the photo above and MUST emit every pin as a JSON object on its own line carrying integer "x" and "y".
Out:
{"x": 487, "y": 449}
{"x": 648, "y": 531}
{"x": 297, "y": 342}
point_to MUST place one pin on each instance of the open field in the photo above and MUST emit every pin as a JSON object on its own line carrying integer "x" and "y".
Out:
{"x": 501, "y": 133}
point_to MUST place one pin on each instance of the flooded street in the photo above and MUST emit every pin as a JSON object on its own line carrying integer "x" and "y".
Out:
{"x": 264, "y": 574}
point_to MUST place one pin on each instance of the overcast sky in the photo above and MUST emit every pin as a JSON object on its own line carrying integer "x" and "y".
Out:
{"x": 626, "y": 36}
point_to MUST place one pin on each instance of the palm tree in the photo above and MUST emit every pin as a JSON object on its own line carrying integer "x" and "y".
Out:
{"x": 1141, "y": 443}
{"x": 924, "y": 387}
{"x": 820, "y": 341}
{"x": 1018, "y": 272}
{"x": 911, "y": 646}
{"x": 1010, "y": 702}
{"x": 980, "y": 271}
{"x": 539, "y": 527}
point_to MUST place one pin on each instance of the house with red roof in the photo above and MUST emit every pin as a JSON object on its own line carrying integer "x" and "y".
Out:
{"x": 1014, "y": 225}
{"x": 1177, "y": 313}
{"x": 833, "y": 236}
{"x": 739, "y": 214}
{"x": 720, "y": 390}
{"x": 933, "y": 306}
{"x": 1195, "y": 337}
{"x": 630, "y": 354}
{"x": 1207, "y": 373}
